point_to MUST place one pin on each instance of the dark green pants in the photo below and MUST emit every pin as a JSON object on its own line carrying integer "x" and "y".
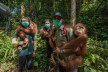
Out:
{"x": 25, "y": 62}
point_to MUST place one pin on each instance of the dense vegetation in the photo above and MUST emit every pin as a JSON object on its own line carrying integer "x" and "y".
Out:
{"x": 93, "y": 13}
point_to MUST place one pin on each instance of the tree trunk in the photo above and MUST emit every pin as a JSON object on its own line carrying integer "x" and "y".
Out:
{"x": 67, "y": 8}
{"x": 78, "y": 6}
{"x": 73, "y": 12}
{"x": 22, "y": 9}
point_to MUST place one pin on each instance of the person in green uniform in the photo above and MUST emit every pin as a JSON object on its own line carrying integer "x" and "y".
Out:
{"x": 26, "y": 53}
{"x": 60, "y": 35}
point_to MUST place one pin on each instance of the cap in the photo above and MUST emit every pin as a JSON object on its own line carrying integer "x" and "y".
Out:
{"x": 58, "y": 14}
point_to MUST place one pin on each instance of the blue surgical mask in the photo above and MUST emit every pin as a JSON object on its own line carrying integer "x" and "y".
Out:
{"x": 25, "y": 24}
{"x": 47, "y": 25}
{"x": 57, "y": 23}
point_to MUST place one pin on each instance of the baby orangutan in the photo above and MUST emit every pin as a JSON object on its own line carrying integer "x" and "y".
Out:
{"x": 23, "y": 40}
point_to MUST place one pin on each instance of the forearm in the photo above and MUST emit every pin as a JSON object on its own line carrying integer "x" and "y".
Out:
{"x": 74, "y": 43}
{"x": 70, "y": 51}
{"x": 35, "y": 48}
{"x": 34, "y": 44}
{"x": 66, "y": 45}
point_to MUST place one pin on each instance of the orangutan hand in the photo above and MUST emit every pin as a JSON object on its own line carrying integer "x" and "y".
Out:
{"x": 20, "y": 43}
{"x": 18, "y": 48}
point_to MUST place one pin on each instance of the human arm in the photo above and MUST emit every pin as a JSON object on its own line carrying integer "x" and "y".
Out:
{"x": 34, "y": 44}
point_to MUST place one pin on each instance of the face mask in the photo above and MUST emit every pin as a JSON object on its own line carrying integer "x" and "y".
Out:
{"x": 57, "y": 23}
{"x": 47, "y": 25}
{"x": 25, "y": 24}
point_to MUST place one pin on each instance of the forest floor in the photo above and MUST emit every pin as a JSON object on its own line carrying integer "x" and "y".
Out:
{"x": 8, "y": 67}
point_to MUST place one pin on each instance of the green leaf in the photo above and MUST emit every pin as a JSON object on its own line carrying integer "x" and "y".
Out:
{"x": 35, "y": 64}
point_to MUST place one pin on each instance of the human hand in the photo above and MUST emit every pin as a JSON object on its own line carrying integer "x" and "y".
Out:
{"x": 31, "y": 26}
{"x": 57, "y": 51}
{"x": 42, "y": 31}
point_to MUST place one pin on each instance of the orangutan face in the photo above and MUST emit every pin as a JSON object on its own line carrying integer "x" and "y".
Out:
{"x": 79, "y": 29}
